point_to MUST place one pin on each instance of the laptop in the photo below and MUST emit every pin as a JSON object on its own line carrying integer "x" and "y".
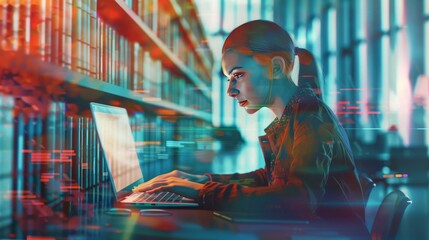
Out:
{"x": 117, "y": 141}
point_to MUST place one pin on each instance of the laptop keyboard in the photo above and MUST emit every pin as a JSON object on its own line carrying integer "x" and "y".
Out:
{"x": 167, "y": 197}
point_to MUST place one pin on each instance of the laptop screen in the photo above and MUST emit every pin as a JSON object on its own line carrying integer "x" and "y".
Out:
{"x": 114, "y": 132}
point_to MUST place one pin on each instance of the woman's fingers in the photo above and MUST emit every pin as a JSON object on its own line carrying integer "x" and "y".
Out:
{"x": 151, "y": 185}
{"x": 159, "y": 189}
{"x": 171, "y": 184}
{"x": 167, "y": 184}
{"x": 154, "y": 183}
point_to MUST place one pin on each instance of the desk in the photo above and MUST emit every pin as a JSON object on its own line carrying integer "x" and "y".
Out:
{"x": 84, "y": 217}
{"x": 182, "y": 224}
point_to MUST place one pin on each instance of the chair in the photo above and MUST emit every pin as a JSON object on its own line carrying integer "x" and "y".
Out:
{"x": 367, "y": 186}
{"x": 389, "y": 215}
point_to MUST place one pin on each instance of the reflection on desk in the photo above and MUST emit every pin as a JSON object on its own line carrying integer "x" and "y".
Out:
{"x": 83, "y": 215}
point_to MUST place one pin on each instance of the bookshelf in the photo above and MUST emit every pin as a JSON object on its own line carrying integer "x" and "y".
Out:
{"x": 136, "y": 30}
{"x": 75, "y": 84}
{"x": 149, "y": 56}
{"x": 181, "y": 16}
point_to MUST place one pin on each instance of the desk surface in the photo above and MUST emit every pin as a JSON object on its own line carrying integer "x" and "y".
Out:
{"x": 84, "y": 216}
{"x": 182, "y": 224}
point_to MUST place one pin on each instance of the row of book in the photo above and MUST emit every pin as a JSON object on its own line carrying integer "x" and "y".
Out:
{"x": 57, "y": 152}
{"x": 151, "y": 134}
{"x": 159, "y": 82}
{"x": 194, "y": 144}
{"x": 191, "y": 18}
{"x": 69, "y": 34}
{"x": 48, "y": 151}
{"x": 167, "y": 24}
{"x": 6, "y": 156}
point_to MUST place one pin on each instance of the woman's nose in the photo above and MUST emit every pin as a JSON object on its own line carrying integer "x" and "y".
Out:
{"x": 232, "y": 91}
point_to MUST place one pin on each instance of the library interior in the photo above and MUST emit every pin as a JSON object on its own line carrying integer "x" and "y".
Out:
{"x": 97, "y": 95}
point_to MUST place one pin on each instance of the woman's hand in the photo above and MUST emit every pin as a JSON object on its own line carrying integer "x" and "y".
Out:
{"x": 182, "y": 183}
{"x": 183, "y": 175}
{"x": 172, "y": 184}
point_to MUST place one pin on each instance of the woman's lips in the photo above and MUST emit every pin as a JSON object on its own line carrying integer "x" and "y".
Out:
{"x": 243, "y": 103}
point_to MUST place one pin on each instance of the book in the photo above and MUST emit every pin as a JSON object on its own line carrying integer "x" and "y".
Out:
{"x": 6, "y": 161}
{"x": 18, "y": 159}
{"x": 46, "y": 44}
{"x": 95, "y": 34}
{"x": 28, "y": 149}
{"x": 56, "y": 31}
{"x": 69, "y": 147}
{"x": 86, "y": 36}
{"x": 76, "y": 35}
{"x": 70, "y": 31}
{"x": 102, "y": 51}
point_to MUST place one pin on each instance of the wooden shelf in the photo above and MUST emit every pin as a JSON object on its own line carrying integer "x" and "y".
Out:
{"x": 81, "y": 88}
{"x": 126, "y": 22}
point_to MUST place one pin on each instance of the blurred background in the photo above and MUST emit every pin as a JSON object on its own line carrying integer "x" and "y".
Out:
{"x": 373, "y": 56}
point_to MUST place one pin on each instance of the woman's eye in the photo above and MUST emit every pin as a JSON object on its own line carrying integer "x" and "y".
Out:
{"x": 235, "y": 77}
{"x": 238, "y": 75}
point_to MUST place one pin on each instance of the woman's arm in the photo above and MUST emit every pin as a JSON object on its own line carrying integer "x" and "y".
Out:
{"x": 189, "y": 185}
{"x": 256, "y": 178}
{"x": 288, "y": 199}
{"x": 305, "y": 170}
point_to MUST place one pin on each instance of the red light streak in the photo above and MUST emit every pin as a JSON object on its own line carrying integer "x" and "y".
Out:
{"x": 343, "y": 102}
{"x": 93, "y": 227}
{"x": 34, "y": 203}
{"x": 368, "y": 113}
{"x": 50, "y": 174}
{"x": 20, "y": 197}
{"x": 39, "y": 238}
{"x": 51, "y": 160}
{"x": 46, "y": 157}
{"x": 70, "y": 187}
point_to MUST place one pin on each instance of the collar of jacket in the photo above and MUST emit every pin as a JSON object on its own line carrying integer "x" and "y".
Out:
{"x": 268, "y": 142}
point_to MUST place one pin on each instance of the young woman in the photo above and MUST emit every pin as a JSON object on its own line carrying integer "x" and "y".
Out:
{"x": 309, "y": 165}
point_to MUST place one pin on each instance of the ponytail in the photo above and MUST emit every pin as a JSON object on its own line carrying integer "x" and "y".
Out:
{"x": 308, "y": 76}
{"x": 264, "y": 40}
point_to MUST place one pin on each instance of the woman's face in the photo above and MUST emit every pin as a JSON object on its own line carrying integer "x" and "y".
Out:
{"x": 249, "y": 82}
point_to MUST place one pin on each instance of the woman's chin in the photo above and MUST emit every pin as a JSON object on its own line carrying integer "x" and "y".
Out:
{"x": 251, "y": 109}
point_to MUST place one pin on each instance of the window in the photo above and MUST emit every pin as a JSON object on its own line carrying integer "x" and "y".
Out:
{"x": 313, "y": 38}
{"x": 361, "y": 88}
{"x": 330, "y": 71}
{"x": 426, "y": 37}
{"x": 426, "y": 63}
{"x": 397, "y": 91}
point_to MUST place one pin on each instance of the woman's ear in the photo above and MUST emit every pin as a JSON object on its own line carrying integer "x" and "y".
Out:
{"x": 279, "y": 67}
